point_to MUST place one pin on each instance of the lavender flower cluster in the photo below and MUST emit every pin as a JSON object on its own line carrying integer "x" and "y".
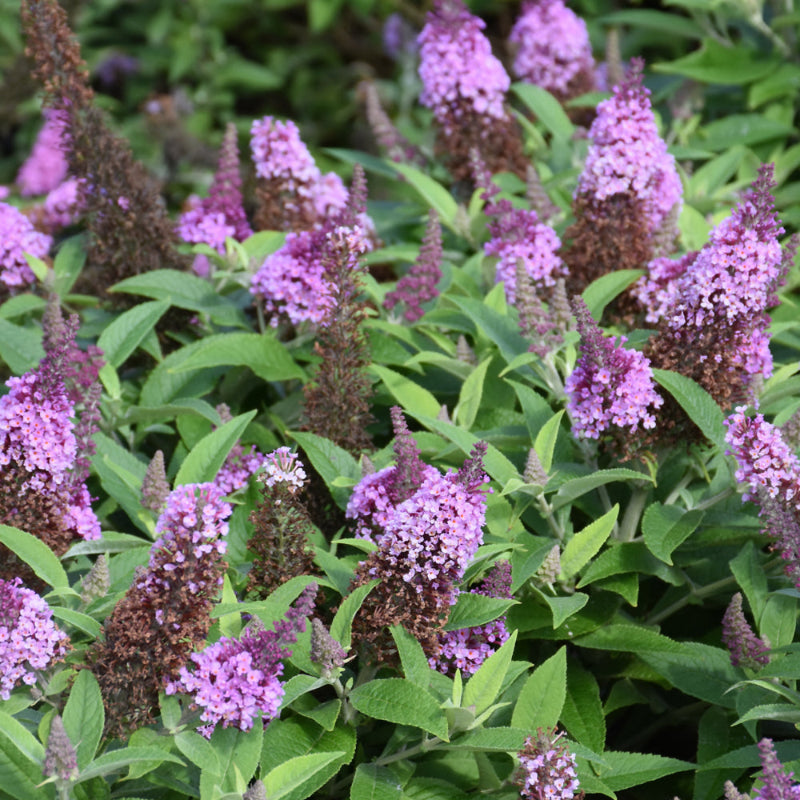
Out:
{"x": 235, "y": 680}
{"x": 17, "y": 237}
{"x": 547, "y": 769}
{"x": 29, "y": 640}
{"x": 610, "y": 386}
{"x": 457, "y": 68}
{"x": 552, "y": 47}
{"x": 627, "y": 156}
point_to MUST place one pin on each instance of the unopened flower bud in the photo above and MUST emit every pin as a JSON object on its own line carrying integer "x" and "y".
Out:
{"x": 60, "y": 760}
{"x": 97, "y": 581}
{"x": 325, "y": 650}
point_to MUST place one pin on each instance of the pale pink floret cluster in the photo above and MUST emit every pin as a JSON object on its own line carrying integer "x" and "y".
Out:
{"x": 236, "y": 680}
{"x": 191, "y": 526}
{"x": 46, "y": 166}
{"x": 29, "y": 640}
{"x": 610, "y": 387}
{"x": 457, "y": 68}
{"x": 281, "y": 157}
{"x": 283, "y": 466}
{"x": 519, "y": 237}
{"x": 240, "y": 465}
{"x": 552, "y": 44}
{"x": 549, "y": 770}
{"x": 17, "y": 237}
{"x": 765, "y": 460}
{"x": 627, "y": 156}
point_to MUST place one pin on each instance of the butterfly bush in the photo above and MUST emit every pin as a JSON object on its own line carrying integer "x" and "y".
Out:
{"x": 235, "y": 680}
{"x": 46, "y": 167}
{"x": 776, "y": 782}
{"x": 547, "y": 769}
{"x": 610, "y": 387}
{"x": 29, "y": 639}
{"x": 627, "y": 156}
{"x": 18, "y": 237}
{"x": 553, "y": 49}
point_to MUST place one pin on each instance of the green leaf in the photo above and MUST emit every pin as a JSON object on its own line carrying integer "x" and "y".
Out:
{"x": 128, "y": 331}
{"x": 666, "y": 527}
{"x": 484, "y": 686}
{"x": 83, "y": 622}
{"x": 587, "y": 543}
{"x": 289, "y": 776}
{"x": 21, "y": 304}
{"x": 624, "y": 770}
{"x": 237, "y": 753}
{"x": 545, "y": 442}
{"x": 286, "y": 739}
{"x": 694, "y": 228}
{"x": 84, "y": 716}
{"x": 198, "y": 750}
{"x": 598, "y": 294}
{"x": 716, "y": 63}
{"x": 373, "y": 782}
{"x": 262, "y": 353}
{"x": 68, "y": 263}
{"x": 471, "y": 610}
{"x": 20, "y": 761}
{"x": 542, "y": 697}
{"x": 274, "y": 607}
{"x": 412, "y": 656}
{"x": 562, "y": 608}
{"x": 662, "y": 22}
{"x": 342, "y": 625}
{"x": 330, "y": 461}
{"x": 36, "y": 554}
{"x": 576, "y": 487}
{"x": 400, "y": 701}
{"x": 184, "y": 290}
{"x": 208, "y": 455}
{"x": 696, "y": 402}
{"x": 743, "y": 129}
{"x": 117, "y": 760}
{"x": 412, "y": 397}
{"x": 434, "y": 194}
{"x": 500, "y": 740}
{"x": 715, "y": 173}
{"x": 20, "y": 348}
{"x": 582, "y": 714}
{"x": 469, "y": 400}
{"x": 546, "y": 109}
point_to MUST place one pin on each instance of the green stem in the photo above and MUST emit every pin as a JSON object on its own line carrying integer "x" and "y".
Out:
{"x": 693, "y": 594}
{"x": 712, "y": 501}
{"x": 633, "y": 513}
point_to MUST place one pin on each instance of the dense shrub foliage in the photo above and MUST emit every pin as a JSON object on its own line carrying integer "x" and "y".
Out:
{"x": 398, "y": 404}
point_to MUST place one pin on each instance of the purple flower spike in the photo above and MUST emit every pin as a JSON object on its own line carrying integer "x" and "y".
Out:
{"x": 553, "y": 49}
{"x": 776, "y": 783}
{"x": 220, "y": 215}
{"x": 745, "y": 648}
{"x": 29, "y": 641}
{"x": 610, "y": 386}
{"x": 46, "y": 167}
{"x": 457, "y": 68}
{"x": 627, "y": 156}
{"x": 236, "y": 680}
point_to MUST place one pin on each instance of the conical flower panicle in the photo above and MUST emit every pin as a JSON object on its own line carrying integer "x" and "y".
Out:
{"x": 418, "y": 285}
{"x": 547, "y": 769}
{"x": 776, "y": 783}
{"x": 428, "y": 540}
{"x": 282, "y": 526}
{"x": 611, "y": 390}
{"x": 166, "y": 612}
{"x": 552, "y": 49}
{"x": 465, "y": 86}
{"x": 714, "y": 310}
{"x": 745, "y": 648}
{"x": 221, "y": 214}
{"x": 46, "y": 166}
{"x": 235, "y": 680}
